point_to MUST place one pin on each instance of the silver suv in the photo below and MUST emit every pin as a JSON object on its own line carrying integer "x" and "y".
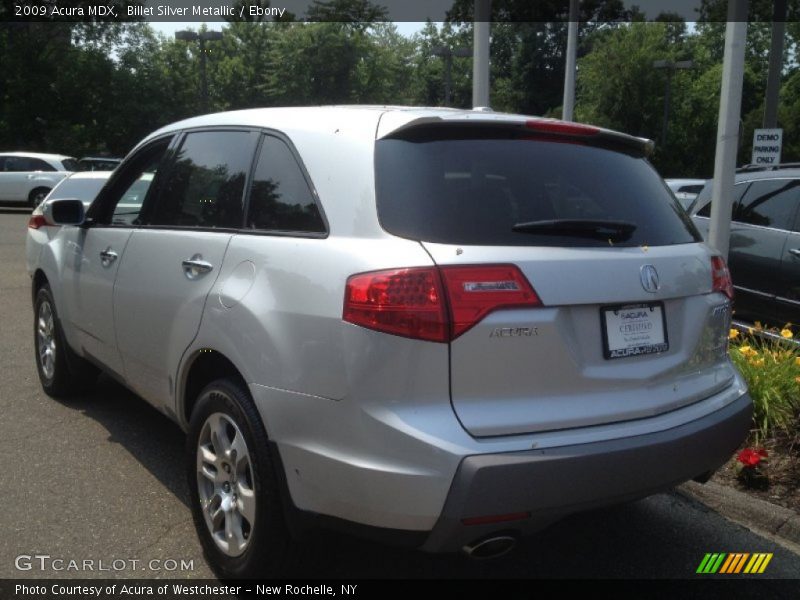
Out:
{"x": 440, "y": 328}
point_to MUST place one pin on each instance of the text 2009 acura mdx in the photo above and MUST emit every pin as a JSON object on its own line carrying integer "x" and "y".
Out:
{"x": 443, "y": 328}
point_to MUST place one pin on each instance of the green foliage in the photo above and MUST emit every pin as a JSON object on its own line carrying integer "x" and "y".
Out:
{"x": 772, "y": 371}
{"x": 91, "y": 88}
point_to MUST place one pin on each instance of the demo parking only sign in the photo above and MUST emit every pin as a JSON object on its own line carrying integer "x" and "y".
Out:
{"x": 767, "y": 146}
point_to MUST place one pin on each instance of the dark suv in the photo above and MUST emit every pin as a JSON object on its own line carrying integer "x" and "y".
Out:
{"x": 764, "y": 255}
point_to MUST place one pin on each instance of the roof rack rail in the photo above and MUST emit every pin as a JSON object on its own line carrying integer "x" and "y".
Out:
{"x": 747, "y": 168}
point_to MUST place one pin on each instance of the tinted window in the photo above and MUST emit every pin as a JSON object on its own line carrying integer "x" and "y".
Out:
{"x": 705, "y": 196}
{"x": 70, "y": 164}
{"x": 769, "y": 203}
{"x": 205, "y": 185}
{"x": 473, "y": 188}
{"x": 20, "y": 164}
{"x": 35, "y": 164}
{"x": 280, "y": 199}
{"x": 97, "y": 164}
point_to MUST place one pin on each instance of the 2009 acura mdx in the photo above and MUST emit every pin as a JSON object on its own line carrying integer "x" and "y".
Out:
{"x": 442, "y": 328}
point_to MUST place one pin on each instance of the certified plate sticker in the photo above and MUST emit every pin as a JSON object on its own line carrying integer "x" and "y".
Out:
{"x": 634, "y": 329}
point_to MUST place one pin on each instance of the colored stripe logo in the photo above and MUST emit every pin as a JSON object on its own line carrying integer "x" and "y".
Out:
{"x": 734, "y": 563}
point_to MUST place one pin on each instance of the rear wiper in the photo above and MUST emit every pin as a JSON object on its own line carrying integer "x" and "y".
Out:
{"x": 593, "y": 228}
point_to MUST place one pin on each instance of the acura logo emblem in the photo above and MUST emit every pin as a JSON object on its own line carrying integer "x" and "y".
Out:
{"x": 649, "y": 277}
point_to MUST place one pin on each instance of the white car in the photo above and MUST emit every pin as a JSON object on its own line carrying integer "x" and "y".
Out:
{"x": 685, "y": 190}
{"x": 441, "y": 328}
{"x": 28, "y": 176}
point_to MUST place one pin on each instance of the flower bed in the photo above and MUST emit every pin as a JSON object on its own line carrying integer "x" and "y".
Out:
{"x": 768, "y": 465}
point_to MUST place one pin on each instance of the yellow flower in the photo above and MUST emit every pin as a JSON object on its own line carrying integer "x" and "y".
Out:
{"x": 757, "y": 363}
{"x": 797, "y": 361}
{"x": 786, "y": 333}
{"x": 734, "y": 333}
{"x": 747, "y": 351}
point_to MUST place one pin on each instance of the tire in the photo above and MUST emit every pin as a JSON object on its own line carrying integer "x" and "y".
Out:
{"x": 235, "y": 498}
{"x": 37, "y": 195}
{"x": 61, "y": 371}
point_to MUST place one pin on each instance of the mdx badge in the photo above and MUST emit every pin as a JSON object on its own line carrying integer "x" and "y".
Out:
{"x": 649, "y": 277}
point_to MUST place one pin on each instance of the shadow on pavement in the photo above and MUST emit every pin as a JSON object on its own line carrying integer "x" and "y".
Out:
{"x": 149, "y": 436}
{"x": 662, "y": 536}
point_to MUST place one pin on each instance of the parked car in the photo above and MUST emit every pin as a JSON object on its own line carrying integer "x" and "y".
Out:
{"x": 80, "y": 185}
{"x": 98, "y": 163}
{"x": 764, "y": 255}
{"x": 685, "y": 190}
{"x": 28, "y": 177}
{"x": 439, "y": 328}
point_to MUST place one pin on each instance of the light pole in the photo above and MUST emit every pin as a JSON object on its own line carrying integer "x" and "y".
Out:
{"x": 671, "y": 67}
{"x": 569, "y": 70}
{"x": 447, "y": 54}
{"x": 482, "y": 16}
{"x": 202, "y": 37}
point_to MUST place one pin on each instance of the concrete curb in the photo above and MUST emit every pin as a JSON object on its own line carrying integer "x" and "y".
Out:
{"x": 758, "y": 515}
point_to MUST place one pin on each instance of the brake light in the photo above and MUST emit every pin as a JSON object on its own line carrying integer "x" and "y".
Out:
{"x": 434, "y": 304}
{"x": 561, "y": 127}
{"x": 36, "y": 221}
{"x": 721, "y": 277}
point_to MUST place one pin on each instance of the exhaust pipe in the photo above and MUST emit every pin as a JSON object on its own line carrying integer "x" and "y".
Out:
{"x": 491, "y": 547}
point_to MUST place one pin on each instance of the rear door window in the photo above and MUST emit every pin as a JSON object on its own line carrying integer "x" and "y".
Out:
{"x": 769, "y": 203}
{"x": 280, "y": 197}
{"x": 476, "y": 187}
{"x": 205, "y": 185}
{"x": 36, "y": 164}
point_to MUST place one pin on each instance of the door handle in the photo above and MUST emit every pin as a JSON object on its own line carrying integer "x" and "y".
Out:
{"x": 795, "y": 252}
{"x": 196, "y": 266}
{"x": 108, "y": 256}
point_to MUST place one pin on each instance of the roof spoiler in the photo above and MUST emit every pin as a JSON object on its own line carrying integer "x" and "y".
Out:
{"x": 547, "y": 128}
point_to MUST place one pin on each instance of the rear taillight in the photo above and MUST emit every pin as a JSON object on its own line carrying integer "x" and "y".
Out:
{"x": 474, "y": 292}
{"x": 435, "y": 304}
{"x": 721, "y": 277}
{"x": 405, "y": 302}
{"x": 36, "y": 221}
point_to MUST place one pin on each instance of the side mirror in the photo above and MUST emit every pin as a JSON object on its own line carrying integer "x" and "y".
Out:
{"x": 64, "y": 211}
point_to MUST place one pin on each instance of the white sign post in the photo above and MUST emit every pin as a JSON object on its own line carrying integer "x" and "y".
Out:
{"x": 767, "y": 147}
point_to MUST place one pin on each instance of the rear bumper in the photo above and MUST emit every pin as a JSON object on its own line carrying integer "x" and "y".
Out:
{"x": 551, "y": 483}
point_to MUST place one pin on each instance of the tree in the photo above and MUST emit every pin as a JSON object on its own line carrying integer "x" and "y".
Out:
{"x": 528, "y": 46}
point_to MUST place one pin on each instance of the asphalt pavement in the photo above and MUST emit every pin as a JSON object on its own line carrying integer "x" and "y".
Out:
{"x": 100, "y": 478}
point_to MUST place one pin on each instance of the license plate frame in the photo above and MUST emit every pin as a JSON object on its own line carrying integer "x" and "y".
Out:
{"x": 638, "y": 341}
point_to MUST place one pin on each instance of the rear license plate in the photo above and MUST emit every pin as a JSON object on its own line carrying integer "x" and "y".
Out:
{"x": 634, "y": 329}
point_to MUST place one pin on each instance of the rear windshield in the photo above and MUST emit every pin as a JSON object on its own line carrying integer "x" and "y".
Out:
{"x": 473, "y": 187}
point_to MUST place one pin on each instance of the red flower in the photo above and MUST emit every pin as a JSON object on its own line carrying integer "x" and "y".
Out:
{"x": 751, "y": 457}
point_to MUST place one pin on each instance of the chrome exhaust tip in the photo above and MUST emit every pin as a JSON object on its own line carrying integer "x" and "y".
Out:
{"x": 491, "y": 547}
